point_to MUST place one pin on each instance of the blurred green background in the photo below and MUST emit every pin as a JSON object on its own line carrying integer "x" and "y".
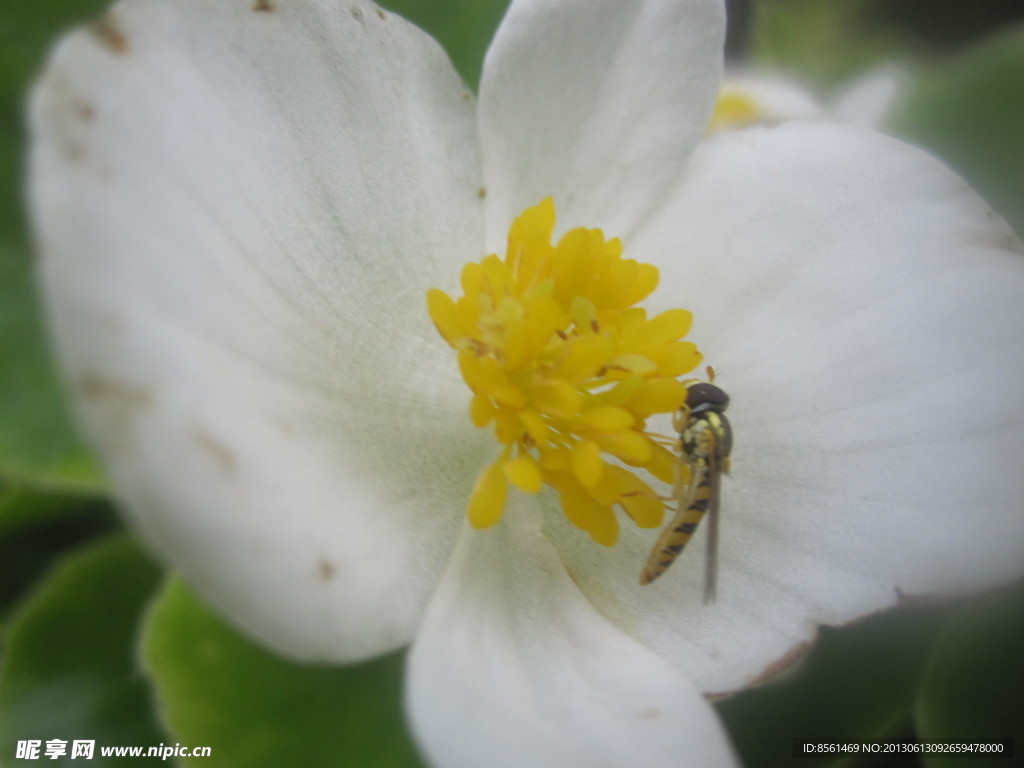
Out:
{"x": 97, "y": 643}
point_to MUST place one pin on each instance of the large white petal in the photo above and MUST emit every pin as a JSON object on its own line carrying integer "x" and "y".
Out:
{"x": 239, "y": 207}
{"x": 863, "y": 308}
{"x": 868, "y": 100}
{"x": 514, "y": 668}
{"x": 597, "y": 103}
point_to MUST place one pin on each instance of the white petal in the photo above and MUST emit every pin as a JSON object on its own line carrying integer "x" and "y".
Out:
{"x": 863, "y": 309}
{"x": 239, "y": 211}
{"x": 597, "y": 103}
{"x": 867, "y": 101}
{"x": 514, "y": 668}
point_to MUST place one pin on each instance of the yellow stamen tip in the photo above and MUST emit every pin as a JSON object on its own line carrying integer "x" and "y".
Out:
{"x": 587, "y": 465}
{"x": 444, "y": 314}
{"x": 629, "y": 445}
{"x": 604, "y": 528}
{"x": 607, "y": 418}
{"x": 487, "y": 502}
{"x": 524, "y": 474}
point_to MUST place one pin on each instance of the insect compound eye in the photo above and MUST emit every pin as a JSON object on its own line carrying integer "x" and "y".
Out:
{"x": 702, "y": 396}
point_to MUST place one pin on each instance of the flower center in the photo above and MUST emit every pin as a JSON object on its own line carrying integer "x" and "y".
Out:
{"x": 567, "y": 371}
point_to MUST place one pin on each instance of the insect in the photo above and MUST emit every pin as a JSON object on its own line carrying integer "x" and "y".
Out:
{"x": 705, "y": 442}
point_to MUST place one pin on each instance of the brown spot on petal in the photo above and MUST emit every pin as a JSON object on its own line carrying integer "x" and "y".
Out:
{"x": 74, "y": 152}
{"x": 95, "y": 386}
{"x": 381, "y": 13}
{"x": 482, "y": 192}
{"x": 121, "y": 403}
{"x": 110, "y": 35}
{"x": 780, "y": 665}
{"x": 651, "y": 715}
{"x": 85, "y": 111}
{"x": 326, "y": 570}
{"x": 787, "y": 660}
{"x": 215, "y": 448}
{"x": 357, "y": 14}
{"x": 998, "y": 235}
{"x": 263, "y": 5}
{"x": 1007, "y": 240}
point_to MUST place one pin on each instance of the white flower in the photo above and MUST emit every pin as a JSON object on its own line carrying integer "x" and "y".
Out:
{"x": 239, "y": 206}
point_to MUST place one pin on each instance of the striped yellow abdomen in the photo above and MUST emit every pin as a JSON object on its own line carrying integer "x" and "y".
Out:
{"x": 677, "y": 535}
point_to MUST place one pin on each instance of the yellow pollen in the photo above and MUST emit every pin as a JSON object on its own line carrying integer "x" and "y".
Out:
{"x": 734, "y": 110}
{"x": 566, "y": 370}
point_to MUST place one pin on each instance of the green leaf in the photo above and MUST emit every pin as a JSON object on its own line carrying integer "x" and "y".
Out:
{"x": 463, "y": 27}
{"x": 38, "y": 444}
{"x": 858, "y": 683}
{"x": 38, "y": 529}
{"x": 826, "y": 42}
{"x": 973, "y": 686}
{"x": 255, "y": 709}
{"x": 22, "y": 507}
{"x": 968, "y": 110}
{"x": 69, "y": 669}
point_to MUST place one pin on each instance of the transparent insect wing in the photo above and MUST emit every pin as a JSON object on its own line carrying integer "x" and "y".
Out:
{"x": 711, "y": 556}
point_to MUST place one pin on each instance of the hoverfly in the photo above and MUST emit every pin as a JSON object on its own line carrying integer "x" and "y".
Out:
{"x": 705, "y": 442}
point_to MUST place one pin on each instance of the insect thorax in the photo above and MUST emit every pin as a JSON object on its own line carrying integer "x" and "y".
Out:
{"x": 706, "y": 435}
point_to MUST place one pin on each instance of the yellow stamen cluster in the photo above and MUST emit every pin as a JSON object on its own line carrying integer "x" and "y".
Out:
{"x": 567, "y": 370}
